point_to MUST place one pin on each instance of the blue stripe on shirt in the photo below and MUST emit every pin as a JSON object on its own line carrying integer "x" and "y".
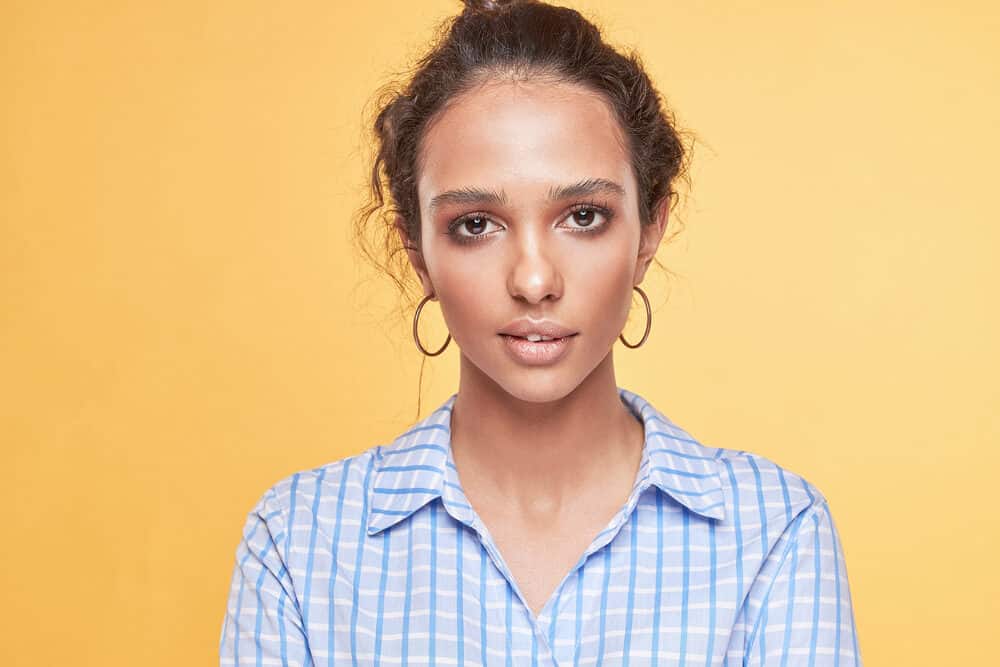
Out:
{"x": 726, "y": 559}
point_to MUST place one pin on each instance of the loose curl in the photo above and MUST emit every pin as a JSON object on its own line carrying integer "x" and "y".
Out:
{"x": 517, "y": 40}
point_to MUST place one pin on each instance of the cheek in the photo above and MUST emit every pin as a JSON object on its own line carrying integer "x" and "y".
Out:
{"x": 612, "y": 297}
{"x": 607, "y": 293}
{"x": 466, "y": 294}
{"x": 602, "y": 273}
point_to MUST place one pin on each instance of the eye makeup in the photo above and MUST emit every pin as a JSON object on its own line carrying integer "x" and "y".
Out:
{"x": 590, "y": 207}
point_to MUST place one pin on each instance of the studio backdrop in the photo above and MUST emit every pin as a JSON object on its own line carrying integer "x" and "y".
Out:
{"x": 184, "y": 318}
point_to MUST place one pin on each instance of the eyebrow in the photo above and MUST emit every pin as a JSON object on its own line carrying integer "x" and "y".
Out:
{"x": 582, "y": 188}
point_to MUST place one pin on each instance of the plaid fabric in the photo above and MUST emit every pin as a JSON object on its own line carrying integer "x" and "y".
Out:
{"x": 718, "y": 558}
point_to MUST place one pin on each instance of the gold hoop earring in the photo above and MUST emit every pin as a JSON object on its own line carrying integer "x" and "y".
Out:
{"x": 416, "y": 338}
{"x": 649, "y": 321}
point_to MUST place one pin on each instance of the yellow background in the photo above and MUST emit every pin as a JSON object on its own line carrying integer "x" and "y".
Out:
{"x": 184, "y": 321}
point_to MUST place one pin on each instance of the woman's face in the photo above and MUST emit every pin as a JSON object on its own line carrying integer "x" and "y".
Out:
{"x": 500, "y": 242}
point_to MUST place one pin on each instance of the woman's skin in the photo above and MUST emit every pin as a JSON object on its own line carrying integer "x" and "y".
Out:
{"x": 545, "y": 454}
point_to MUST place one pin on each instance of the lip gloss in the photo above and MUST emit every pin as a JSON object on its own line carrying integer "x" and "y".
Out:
{"x": 539, "y": 353}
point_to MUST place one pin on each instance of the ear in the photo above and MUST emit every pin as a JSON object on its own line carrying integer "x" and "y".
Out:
{"x": 415, "y": 256}
{"x": 649, "y": 240}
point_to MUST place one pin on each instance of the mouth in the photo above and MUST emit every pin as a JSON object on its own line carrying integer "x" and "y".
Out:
{"x": 538, "y": 339}
{"x": 537, "y": 352}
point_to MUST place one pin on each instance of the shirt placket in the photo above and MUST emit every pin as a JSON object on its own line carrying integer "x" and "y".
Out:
{"x": 458, "y": 506}
{"x": 602, "y": 540}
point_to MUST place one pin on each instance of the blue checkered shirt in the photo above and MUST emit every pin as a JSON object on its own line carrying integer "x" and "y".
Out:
{"x": 718, "y": 558}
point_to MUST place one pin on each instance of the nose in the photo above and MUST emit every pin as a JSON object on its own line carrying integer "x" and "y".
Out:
{"x": 533, "y": 276}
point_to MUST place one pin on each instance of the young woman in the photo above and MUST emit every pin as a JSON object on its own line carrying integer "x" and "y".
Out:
{"x": 542, "y": 515}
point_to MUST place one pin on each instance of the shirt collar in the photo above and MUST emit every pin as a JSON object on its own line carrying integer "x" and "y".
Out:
{"x": 417, "y": 467}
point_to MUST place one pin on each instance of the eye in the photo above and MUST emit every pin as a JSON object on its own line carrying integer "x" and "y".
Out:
{"x": 474, "y": 224}
{"x": 584, "y": 215}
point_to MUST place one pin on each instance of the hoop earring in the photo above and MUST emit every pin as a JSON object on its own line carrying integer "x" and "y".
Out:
{"x": 416, "y": 338}
{"x": 649, "y": 321}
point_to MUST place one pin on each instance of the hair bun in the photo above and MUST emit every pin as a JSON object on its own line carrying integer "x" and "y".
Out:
{"x": 485, "y": 5}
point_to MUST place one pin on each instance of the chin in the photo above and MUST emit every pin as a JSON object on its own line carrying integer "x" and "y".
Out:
{"x": 527, "y": 383}
{"x": 539, "y": 390}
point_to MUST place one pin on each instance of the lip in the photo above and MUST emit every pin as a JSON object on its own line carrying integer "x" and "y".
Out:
{"x": 541, "y": 353}
{"x": 523, "y": 326}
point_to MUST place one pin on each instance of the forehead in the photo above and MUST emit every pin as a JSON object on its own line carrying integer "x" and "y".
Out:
{"x": 522, "y": 134}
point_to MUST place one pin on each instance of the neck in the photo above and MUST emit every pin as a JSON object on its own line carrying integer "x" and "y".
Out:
{"x": 540, "y": 457}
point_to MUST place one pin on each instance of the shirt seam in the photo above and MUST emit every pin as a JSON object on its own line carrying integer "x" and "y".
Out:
{"x": 806, "y": 514}
{"x": 282, "y": 524}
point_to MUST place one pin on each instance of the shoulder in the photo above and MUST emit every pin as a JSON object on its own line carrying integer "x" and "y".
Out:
{"x": 335, "y": 489}
{"x": 762, "y": 493}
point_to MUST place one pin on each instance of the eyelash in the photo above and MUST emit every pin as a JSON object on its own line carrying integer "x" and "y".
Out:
{"x": 594, "y": 207}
